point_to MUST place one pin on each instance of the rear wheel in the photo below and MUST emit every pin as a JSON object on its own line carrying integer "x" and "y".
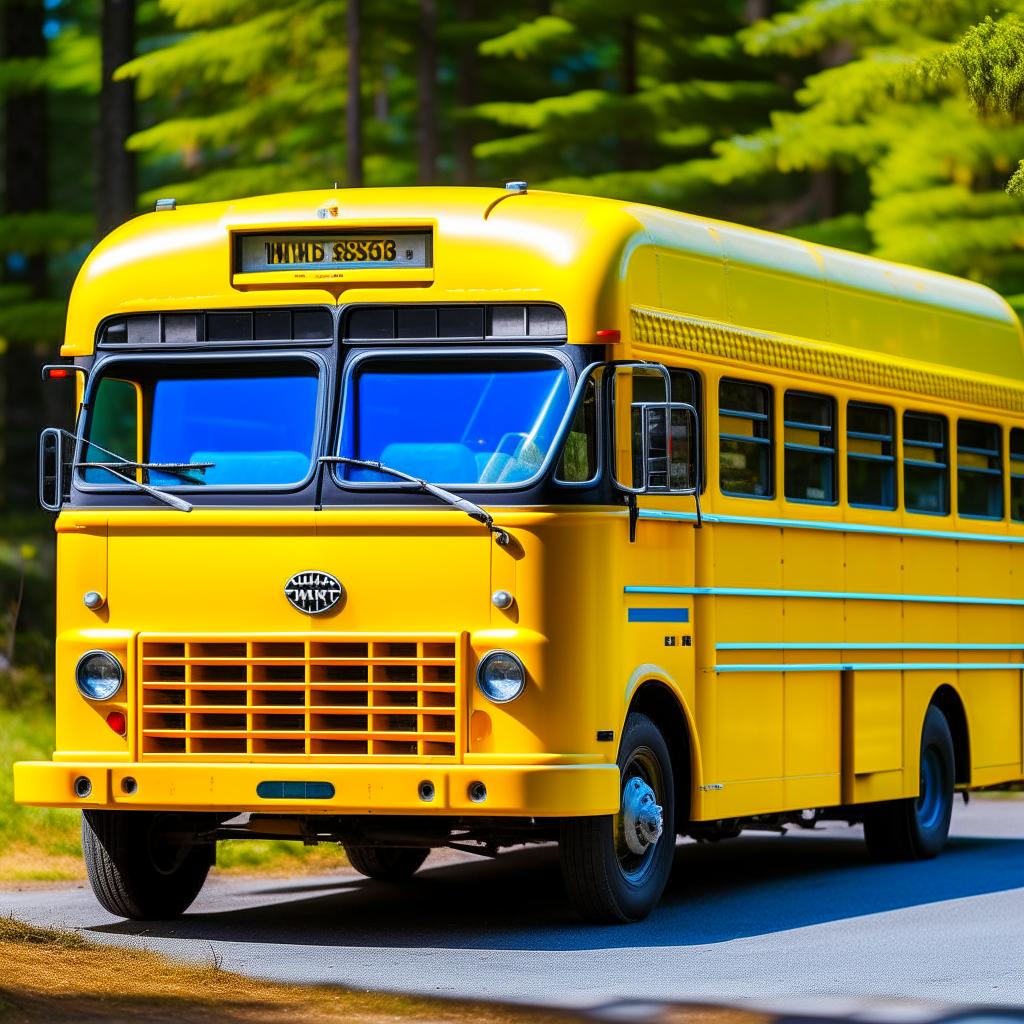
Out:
{"x": 615, "y": 867}
{"x": 139, "y": 867}
{"x": 386, "y": 863}
{"x": 916, "y": 828}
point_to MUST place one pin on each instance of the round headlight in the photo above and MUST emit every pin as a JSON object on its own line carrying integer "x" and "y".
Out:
{"x": 99, "y": 675}
{"x": 501, "y": 676}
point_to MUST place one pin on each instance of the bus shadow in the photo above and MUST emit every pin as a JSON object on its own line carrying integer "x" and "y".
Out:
{"x": 752, "y": 886}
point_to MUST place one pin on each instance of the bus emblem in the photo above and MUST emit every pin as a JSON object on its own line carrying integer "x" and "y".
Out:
{"x": 313, "y": 592}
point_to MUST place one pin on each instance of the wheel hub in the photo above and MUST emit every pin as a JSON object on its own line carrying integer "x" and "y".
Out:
{"x": 642, "y": 819}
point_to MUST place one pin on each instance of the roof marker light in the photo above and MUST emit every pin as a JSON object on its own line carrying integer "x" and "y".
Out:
{"x": 610, "y": 335}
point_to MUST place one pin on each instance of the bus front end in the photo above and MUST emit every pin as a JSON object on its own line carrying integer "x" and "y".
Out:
{"x": 327, "y": 571}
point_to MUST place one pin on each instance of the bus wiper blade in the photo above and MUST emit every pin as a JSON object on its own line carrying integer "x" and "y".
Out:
{"x": 165, "y": 496}
{"x": 170, "y": 468}
{"x": 471, "y": 509}
{"x": 154, "y": 492}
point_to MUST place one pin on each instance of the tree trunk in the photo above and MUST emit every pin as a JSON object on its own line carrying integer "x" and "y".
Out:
{"x": 465, "y": 99}
{"x": 757, "y": 10}
{"x": 631, "y": 158}
{"x": 25, "y": 133}
{"x": 353, "y": 105}
{"x": 26, "y": 173}
{"x": 115, "y": 185}
{"x": 426, "y": 130}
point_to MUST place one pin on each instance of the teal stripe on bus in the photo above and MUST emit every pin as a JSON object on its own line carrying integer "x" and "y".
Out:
{"x": 818, "y": 524}
{"x": 829, "y": 595}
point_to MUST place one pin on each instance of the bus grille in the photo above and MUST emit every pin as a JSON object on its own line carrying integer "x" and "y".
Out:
{"x": 299, "y": 698}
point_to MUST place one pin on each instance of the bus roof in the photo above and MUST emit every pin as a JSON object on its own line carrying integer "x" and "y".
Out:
{"x": 493, "y": 245}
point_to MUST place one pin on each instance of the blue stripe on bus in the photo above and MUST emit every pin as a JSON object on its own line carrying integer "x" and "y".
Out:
{"x": 833, "y": 595}
{"x": 817, "y": 524}
{"x": 659, "y": 614}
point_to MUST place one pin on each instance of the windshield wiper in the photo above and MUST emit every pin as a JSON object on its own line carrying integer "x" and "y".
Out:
{"x": 180, "y": 469}
{"x": 471, "y": 509}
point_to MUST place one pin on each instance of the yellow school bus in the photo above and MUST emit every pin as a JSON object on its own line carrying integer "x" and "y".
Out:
{"x": 411, "y": 518}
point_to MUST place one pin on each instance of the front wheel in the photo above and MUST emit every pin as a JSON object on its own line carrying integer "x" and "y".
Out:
{"x": 615, "y": 867}
{"x": 916, "y": 828}
{"x": 139, "y": 867}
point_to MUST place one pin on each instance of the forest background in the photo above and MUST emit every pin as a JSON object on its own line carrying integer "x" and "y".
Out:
{"x": 893, "y": 127}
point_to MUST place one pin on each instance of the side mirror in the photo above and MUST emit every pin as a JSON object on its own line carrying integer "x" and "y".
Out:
{"x": 53, "y": 475}
{"x": 666, "y": 448}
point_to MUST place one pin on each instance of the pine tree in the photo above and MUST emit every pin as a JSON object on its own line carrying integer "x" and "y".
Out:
{"x": 610, "y": 99}
{"x": 923, "y": 171}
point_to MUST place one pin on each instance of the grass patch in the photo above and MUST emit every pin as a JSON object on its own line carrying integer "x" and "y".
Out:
{"x": 53, "y": 975}
{"x": 42, "y": 844}
{"x": 36, "y": 843}
{"x": 277, "y": 857}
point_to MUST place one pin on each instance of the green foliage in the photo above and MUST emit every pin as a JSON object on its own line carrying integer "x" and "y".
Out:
{"x": 912, "y": 115}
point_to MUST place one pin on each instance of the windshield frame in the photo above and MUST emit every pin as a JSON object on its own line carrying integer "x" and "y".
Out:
{"x": 462, "y": 353}
{"x": 102, "y": 368}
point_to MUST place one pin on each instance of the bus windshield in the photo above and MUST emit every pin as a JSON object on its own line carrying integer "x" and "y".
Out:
{"x": 248, "y": 426}
{"x": 481, "y": 420}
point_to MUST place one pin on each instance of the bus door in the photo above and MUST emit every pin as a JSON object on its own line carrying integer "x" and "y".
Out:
{"x": 655, "y": 446}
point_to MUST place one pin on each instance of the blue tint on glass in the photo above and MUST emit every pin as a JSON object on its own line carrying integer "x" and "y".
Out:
{"x": 256, "y": 430}
{"x": 454, "y": 426}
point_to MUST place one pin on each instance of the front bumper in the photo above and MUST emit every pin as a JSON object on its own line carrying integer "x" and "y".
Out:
{"x": 511, "y": 791}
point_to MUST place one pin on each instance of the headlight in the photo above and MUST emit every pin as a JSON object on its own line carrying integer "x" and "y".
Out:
{"x": 99, "y": 675}
{"x": 500, "y": 676}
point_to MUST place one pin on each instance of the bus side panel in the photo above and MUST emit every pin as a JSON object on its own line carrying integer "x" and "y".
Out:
{"x": 992, "y": 699}
{"x": 872, "y": 736}
{"x": 993, "y": 703}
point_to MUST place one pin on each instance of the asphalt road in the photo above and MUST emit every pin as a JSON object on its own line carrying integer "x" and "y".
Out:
{"x": 799, "y": 920}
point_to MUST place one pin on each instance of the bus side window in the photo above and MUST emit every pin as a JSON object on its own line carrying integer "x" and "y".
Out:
{"x": 871, "y": 456}
{"x": 810, "y": 452}
{"x": 579, "y": 454}
{"x": 925, "y": 464}
{"x": 745, "y": 439}
{"x": 1017, "y": 474}
{"x": 114, "y": 427}
{"x": 979, "y": 470}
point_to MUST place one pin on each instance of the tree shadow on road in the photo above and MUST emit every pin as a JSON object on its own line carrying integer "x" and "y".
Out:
{"x": 751, "y": 886}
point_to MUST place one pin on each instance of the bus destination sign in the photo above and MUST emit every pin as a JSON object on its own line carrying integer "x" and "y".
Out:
{"x": 365, "y": 250}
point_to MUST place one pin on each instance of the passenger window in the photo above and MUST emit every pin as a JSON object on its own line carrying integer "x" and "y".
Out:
{"x": 925, "y": 464}
{"x": 871, "y": 456}
{"x": 579, "y": 455}
{"x": 979, "y": 470}
{"x": 810, "y": 448}
{"x": 745, "y": 439}
{"x": 1017, "y": 474}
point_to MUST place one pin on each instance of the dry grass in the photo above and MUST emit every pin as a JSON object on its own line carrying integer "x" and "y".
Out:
{"x": 54, "y": 975}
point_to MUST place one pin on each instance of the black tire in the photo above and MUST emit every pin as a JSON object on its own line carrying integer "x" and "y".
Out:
{"x": 135, "y": 871}
{"x": 916, "y": 828}
{"x": 606, "y": 881}
{"x": 386, "y": 863}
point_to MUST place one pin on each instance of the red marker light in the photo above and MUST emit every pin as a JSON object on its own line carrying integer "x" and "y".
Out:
{"x": 117, "y": 722}
{"x": 610, "y": 335}
{"x": 57, "y": 373}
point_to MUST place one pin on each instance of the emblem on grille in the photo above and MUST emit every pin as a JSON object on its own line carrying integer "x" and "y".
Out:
{"x": 313, "y": 592}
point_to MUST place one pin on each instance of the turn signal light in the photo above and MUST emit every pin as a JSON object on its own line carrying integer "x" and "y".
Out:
{"x": 117, "y": 722}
